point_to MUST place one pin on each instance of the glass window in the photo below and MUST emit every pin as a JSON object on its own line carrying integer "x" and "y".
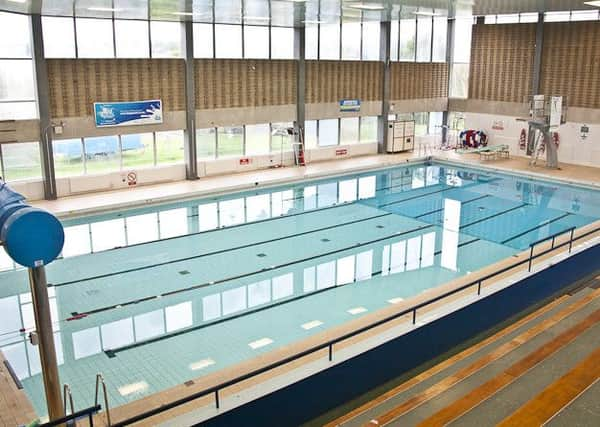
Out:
{"x": 435, "y": 122}
{"x": 349, "y": 133}
{"x": 311, "y": 48}
{"x": 459, "y": 81}
{"x": 203, "y": 41}
{"x": 229, "y": 11}
{"x": 351, "y": 33}
{"x": 131, "y": 39}
{"x": 15, "y": 35}
{"x": 18, "y": 110}
{"x": 528, "y": 17}
{"x": 21, "y": 161}
{"x": 424, "y": 29}
{"x": 329, "y": 41}
{"x": 230, "y": 141}
{"x": 102, "y": 154}
{"x": 228, "y": 43}
{"x": 562, "y": 16}
{"x": 440, "y": 31}
{"x": 394, "y": 34}
{"x": 368, "y": 129}
{"x": 512, "y": 18}
{"x": 280, "y": 139}
{"x": 137, "y": 150}
{"x": 463, "y": 27}
{"x": 59, "y": 37}
{"x": 256, "y": 42}
{"x": 489, "y": 19}
{"x": 370, "y": 40}
{"x": 310, "y": 134}
{"x": 257, "y": 139}
{"x": 206, "y": 143}
{"x": 328, "y": 132}
{"x": 94, "y": 38}
{"x": 166, "y": 39}
{"x": 408, "y": 31}
{"x": 169, "y": 147}
{"x": 421, "y": 123}
{"x": 282, "y": 43}
{"x": 584, "y": 15}
{"x": 68, "y": 157}
{"x": 16, "y": 80}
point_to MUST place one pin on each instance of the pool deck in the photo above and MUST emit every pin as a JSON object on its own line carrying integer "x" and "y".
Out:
{"x": 157, "y": 193}
{"x": 236, "y": 394}
{"x": 15, "y": 408}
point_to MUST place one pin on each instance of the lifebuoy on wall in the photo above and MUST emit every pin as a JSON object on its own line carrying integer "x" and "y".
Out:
{"x": 523, "y": 139}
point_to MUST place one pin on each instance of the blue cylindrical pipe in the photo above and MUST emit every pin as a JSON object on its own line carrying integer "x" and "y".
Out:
{"x": 32, "y": 237}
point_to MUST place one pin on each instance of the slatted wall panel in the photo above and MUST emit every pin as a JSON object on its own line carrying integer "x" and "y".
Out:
{"x": 414, "y": 80}
{"x": 502, "y": 62}
{"x": 330, "y": 81}
{"x": 571, "y": 62}
{"x": 75, "y": 84}
{"x": 229, "y": 83}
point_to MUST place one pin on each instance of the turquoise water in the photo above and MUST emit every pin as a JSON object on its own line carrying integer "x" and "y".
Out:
{"x": 173, "y": 292}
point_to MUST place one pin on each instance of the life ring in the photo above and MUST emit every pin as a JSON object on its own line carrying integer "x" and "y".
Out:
{"x": 523, "y": 139}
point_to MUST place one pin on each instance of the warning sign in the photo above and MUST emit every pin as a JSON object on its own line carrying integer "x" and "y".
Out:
{"x": 131, "y": 178}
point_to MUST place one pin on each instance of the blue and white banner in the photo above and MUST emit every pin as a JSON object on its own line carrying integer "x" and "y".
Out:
{"x": 109, "y": 114}
{"x": 348, "y": 105}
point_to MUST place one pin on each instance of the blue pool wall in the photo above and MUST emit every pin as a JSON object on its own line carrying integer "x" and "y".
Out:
{"x": 307, "y": 399}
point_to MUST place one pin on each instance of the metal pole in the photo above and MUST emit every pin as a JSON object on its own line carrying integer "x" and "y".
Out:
{"x": 190, "y": 151}
{"x": 384, "y": 55}
{"x": 45, "y": 335}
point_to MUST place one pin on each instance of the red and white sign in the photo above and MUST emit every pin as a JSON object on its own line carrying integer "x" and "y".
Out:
{"x": 131, "y": 178}
{"x": 498, "y": 125}
{"x": 341, "y": 152}
{"x": 245, "y": 161}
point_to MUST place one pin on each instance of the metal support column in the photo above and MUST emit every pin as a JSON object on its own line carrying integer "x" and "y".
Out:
{"x": 300, "y": 54}
{"x": 190, "y": 152}
{"x": 537, "y": 59}
{"x": 45, "y": 337}
{"x": 449, "y": 58}
{"x": 43, "y": 98}
{"x": 384, "y": 55}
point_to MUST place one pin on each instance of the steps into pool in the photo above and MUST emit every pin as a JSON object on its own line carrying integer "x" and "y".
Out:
{"x": 532, "y": 372}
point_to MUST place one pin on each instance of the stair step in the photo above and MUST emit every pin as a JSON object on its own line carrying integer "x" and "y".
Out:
{"x": 583, "y": 411}
{"x": 467, "y": 377}
{"x": 512, "y": 373}
{"x": 424, "y": 380}
{"x": 523, "y": 389}
{"x": 557, "y": 395}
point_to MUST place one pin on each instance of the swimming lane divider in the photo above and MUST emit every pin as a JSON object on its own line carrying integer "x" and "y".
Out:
{"x": 221, "y": 251}
{"x": 546, "y": 222}
{"x": 244, "y": 275}
{"x": 113, "y": 352}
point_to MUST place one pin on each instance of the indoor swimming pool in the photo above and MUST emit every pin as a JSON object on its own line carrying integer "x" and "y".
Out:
{"x": 156, "y": 296}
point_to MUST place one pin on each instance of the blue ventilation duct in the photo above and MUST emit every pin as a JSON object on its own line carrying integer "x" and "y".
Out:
{"x": 32, "y": 237}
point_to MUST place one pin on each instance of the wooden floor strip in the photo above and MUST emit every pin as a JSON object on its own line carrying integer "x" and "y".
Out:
{"x": 445, "y": 364}
{"x": 485, "y": 391}
{"x": 557, "y": 395}
{"x": 485, "y": 360}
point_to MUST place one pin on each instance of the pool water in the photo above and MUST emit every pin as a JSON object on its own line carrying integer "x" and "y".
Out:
{"x": 176, "y": 291}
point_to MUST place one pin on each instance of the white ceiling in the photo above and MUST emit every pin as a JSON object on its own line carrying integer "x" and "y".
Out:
{"x": 278, "y": 12}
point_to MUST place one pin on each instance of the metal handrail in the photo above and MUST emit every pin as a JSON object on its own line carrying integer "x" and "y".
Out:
{"x": 88, "y": 412}
{"x": 67, "y": 392}
{"x": 329, "y": 344}
{"x": 553, "y": 237}
{"x": 100, "y": 380}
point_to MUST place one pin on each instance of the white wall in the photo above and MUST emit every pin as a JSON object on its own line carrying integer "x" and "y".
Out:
{"x": 573, "y": 149}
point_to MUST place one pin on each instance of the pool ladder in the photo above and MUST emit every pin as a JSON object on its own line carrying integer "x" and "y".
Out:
{"x": 68, "y": 399}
